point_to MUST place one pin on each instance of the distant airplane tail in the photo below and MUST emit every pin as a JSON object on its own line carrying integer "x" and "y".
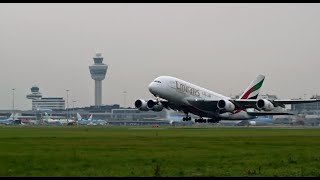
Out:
{"x": 46, "y": 116}
{"x": 253, "y": 89}
{"x": 11, "y": 117}
{"x": 90, "y": 118}
{"x": 79, "y": 117}
{"x": 15, "y": 117}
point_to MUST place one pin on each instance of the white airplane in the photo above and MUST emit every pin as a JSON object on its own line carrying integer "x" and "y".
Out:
{"x": 90, "y": 121}
{"x": 84, "y": 121}
{"x": 10, "y": 120}
{"x": 57, "y": 120}
{"x": 50, "y": 120}
{"x": 80, "y": 118}
{"x": 176, "y": 94}
{"x": 66, "y": 121}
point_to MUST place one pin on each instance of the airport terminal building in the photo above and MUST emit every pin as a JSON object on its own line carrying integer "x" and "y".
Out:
{"x": 39, "y": 102}
{"x": 53, "y": 103}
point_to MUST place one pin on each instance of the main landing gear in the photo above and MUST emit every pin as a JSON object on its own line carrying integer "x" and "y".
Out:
{"x": 188, "y": 118}
{"x": 201, "y": 120}
{"x": 213, "y": 120}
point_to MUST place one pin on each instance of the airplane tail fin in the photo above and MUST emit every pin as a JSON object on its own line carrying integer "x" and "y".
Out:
{"x": 15, "y": 117}
{"x": 253, "y": 89}
{"x": 46, "y": 116}
{"x": 10, "y": 117}
{"x": 90, "y": 118}
{"x": 79, "y": 117}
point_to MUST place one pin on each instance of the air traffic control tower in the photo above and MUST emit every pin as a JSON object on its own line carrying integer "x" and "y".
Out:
{"x": 98, "y": 72}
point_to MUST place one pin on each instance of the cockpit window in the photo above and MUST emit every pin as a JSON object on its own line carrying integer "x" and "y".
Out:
{"x": 157, "y": 81}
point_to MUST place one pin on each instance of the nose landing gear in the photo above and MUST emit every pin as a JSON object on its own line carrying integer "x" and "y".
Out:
{"x": 187, "y": 118}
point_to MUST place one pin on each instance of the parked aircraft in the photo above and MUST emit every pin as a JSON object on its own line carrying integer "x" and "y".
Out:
{"x": 99, "y": 122}
{"x": 176, "y": 94}
{"x": 90, "y": 121}
{"x": 258, "y": 120}
{"x": 67, "y": 121}
{"x": 8, "y": 121}
{"x": 83, "y": 121}
{"x": 49, "y": 120}
{"x": 255, "y": 122}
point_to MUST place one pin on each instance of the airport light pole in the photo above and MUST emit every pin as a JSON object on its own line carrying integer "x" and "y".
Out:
{"x": 73, "y": 107}
{"x": 124, "y": 104}
{"x": 124, "y": 98}
{"x": 317, "y": 103}
{"x": 13, "y": 102}
{"x": 304, "y": 104}
{"x": 67, "y": 103}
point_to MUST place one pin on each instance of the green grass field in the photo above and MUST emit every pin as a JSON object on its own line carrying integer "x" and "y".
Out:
{"x": 167, "y": 151}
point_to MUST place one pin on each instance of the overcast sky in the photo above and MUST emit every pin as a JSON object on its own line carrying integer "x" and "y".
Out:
{"x": 221, "y": 47}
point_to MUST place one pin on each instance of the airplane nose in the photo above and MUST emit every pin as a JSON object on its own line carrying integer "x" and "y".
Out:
{"x": 151, "y": 87}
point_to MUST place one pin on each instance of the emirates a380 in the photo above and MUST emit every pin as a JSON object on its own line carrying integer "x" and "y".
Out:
{"x": 179, "y": 95}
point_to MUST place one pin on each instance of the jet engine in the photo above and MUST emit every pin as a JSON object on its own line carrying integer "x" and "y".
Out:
{"x": 226, "y": 105}
{"x": 265, "y": 105}
{"x": 252, "y": 123}
{"x": 154, "y": 105}
{"x": 141, "y": 105}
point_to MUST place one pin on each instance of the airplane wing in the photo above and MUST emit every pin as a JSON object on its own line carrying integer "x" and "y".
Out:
{"x": 268, "y": 113}
{"x": 298, "y": 101}
{"x": 251, "y": 103}
{"x": 211, "y": 105}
